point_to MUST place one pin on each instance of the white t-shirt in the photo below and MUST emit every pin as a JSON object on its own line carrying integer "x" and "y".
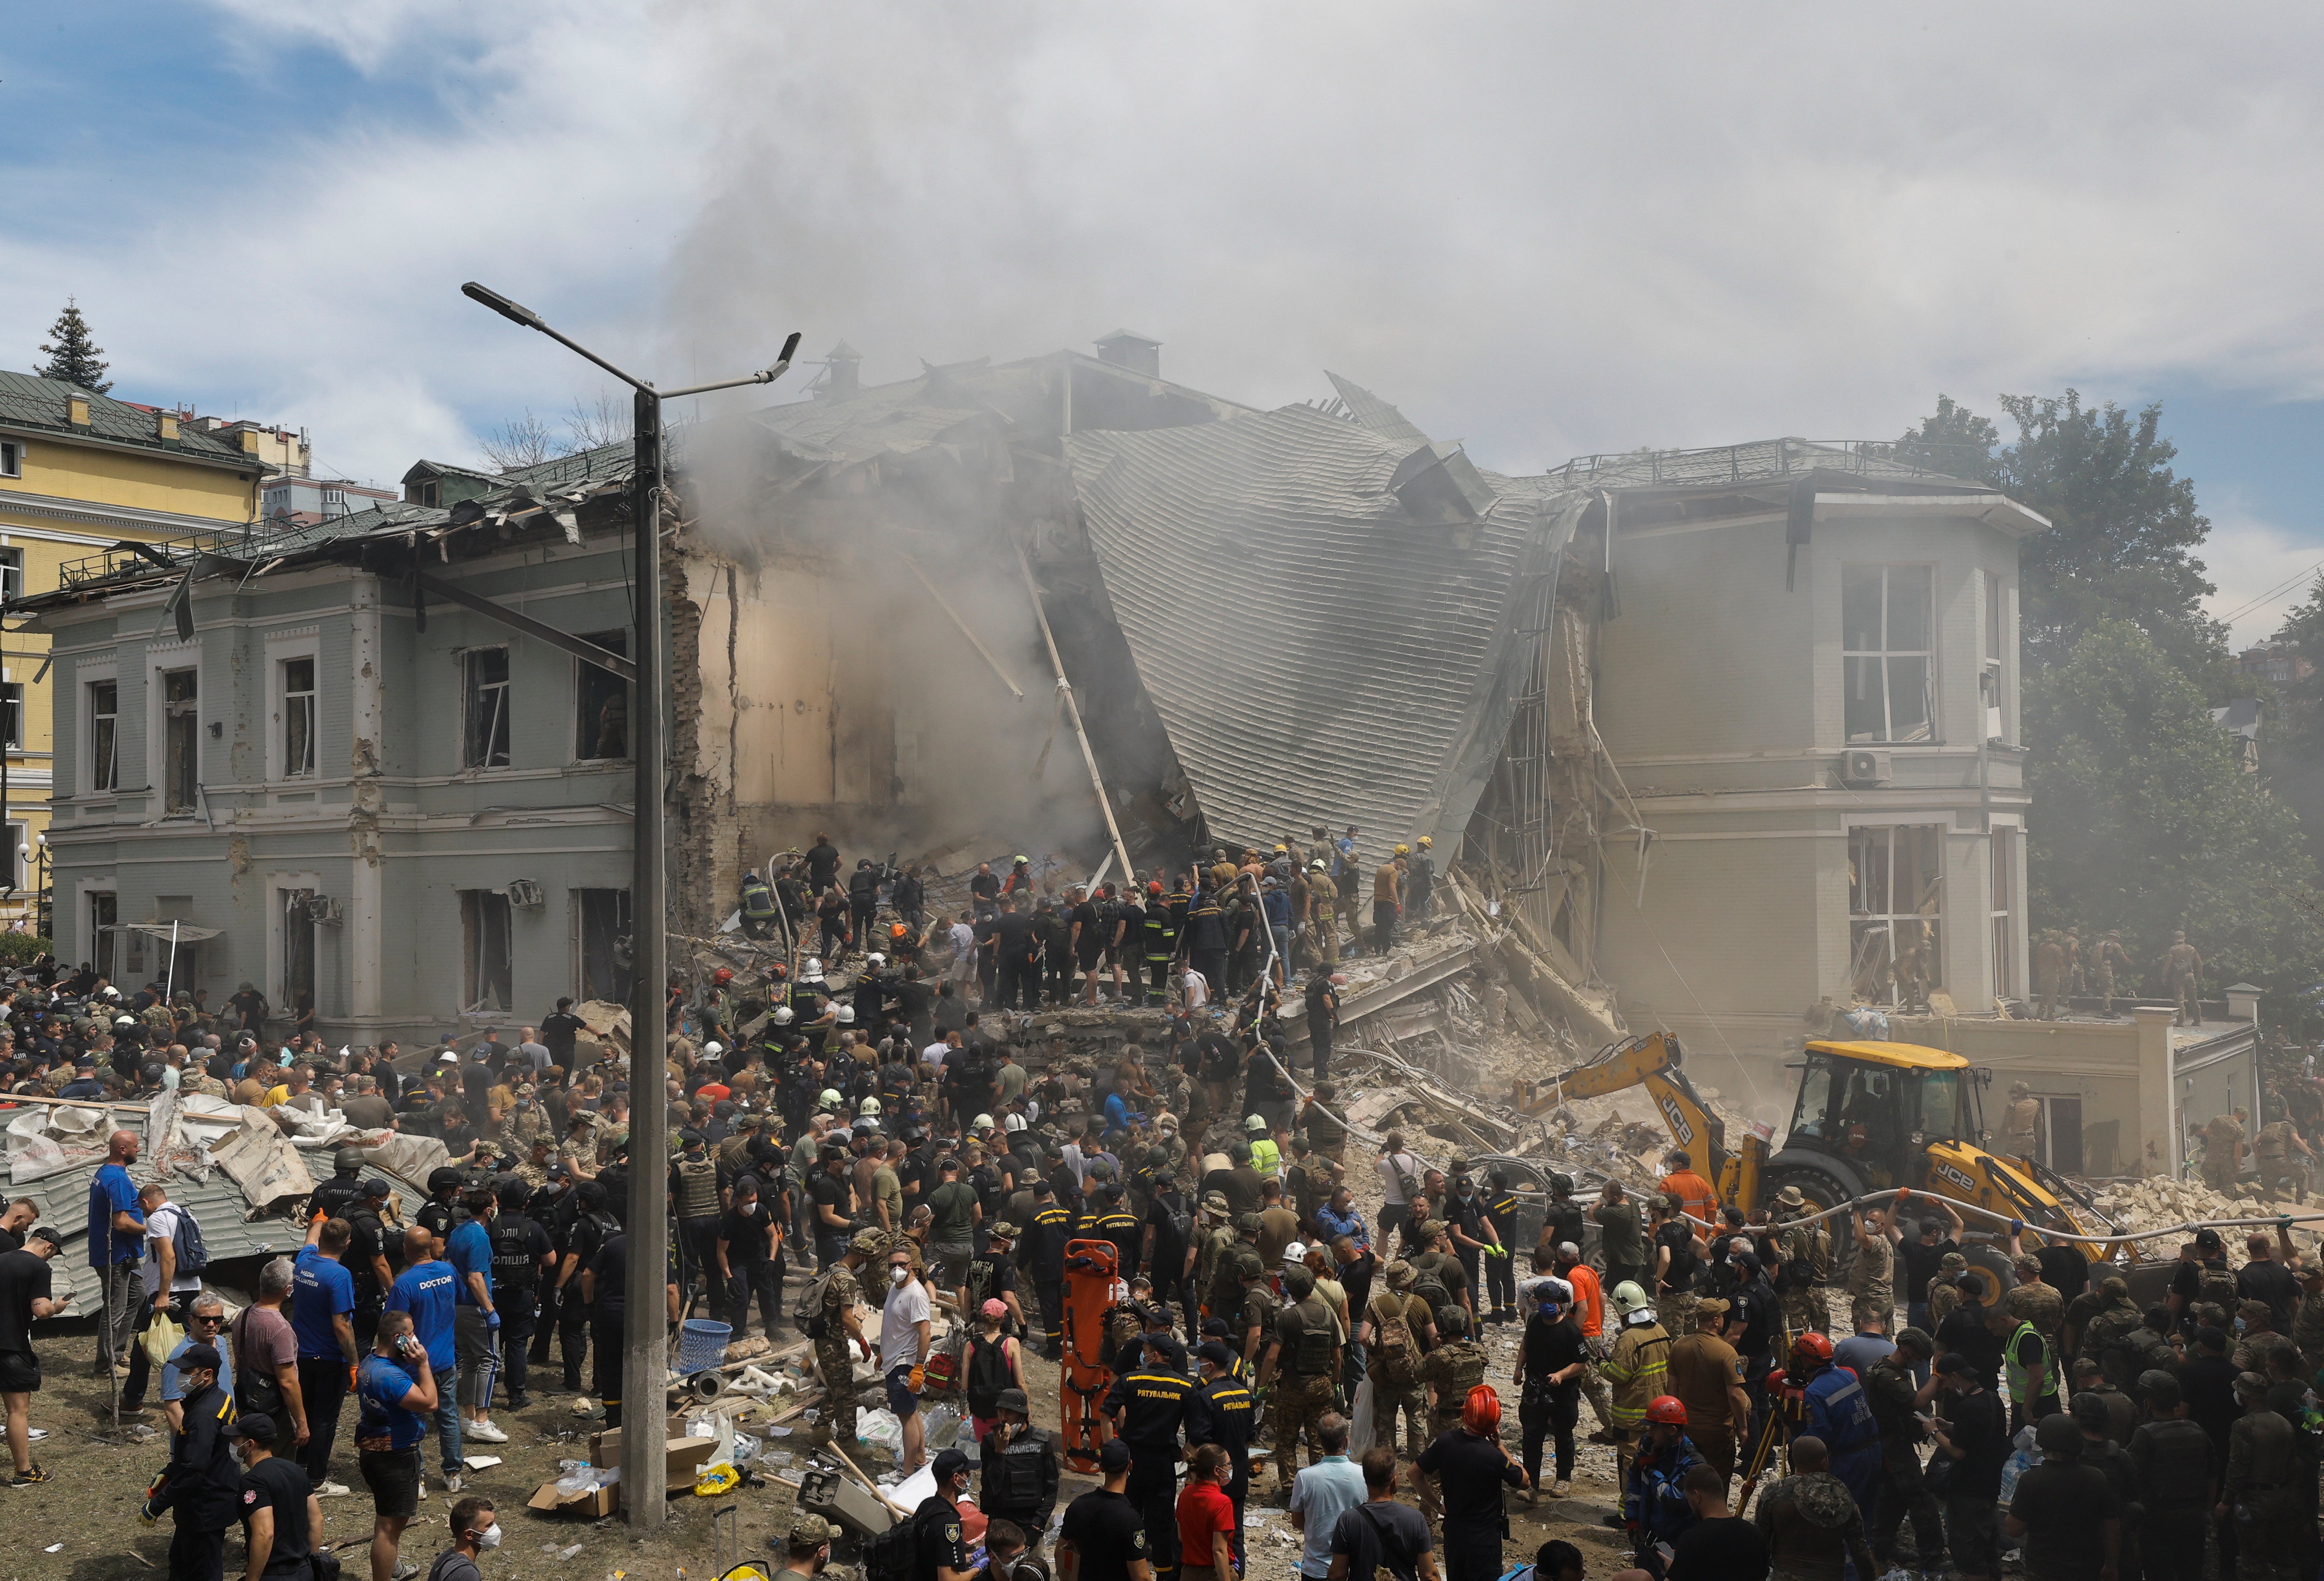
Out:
{"x": 1387, "y": 1164}
{"x": 161, "y": 1225}
{"x": 1198, "y": 989}
{"x": 934, "y": 1052}
{"x": 905, "y": 1309}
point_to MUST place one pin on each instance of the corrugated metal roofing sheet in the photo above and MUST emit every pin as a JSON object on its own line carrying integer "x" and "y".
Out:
{"x": 1357, "y": 673}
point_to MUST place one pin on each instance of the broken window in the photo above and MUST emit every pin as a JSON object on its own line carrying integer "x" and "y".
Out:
{"x": 104, "y": 735}
{"x": 1886, "y": 621}
{"x": 298, "y": 717}
{"x": 296, "y": 989}
{"x": 175, "y": 967}
{"x": 1894, "y": 887}
{"x": 2004, "y": 907}
{"x": 1990, "y": 673}
{"x": 11, "y": 712}
{"x": 181, "y": 751}
{"x": 605, "y": 957}
{"x": 483, "y": 704}
{"x": 12, "y": 573}
{"x": 602, "y": 703}
{"x": 103, "y": 913}
{"x": 485, "y": 938}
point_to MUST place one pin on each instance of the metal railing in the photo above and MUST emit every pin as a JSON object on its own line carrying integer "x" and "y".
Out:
{"x": 1766, "y": 459}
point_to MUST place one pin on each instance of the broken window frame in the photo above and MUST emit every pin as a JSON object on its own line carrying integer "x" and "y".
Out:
{"x": 1875, "y": 917}
{"x": 12, "y": 714}
{"x": 299, "y": 943}
{"x": 594, "y": 690}
{"x": 104, "y": 944}
{"x": 11, "y": 574}
{"x": 487, "y": 952}
{"x": 604, "y": 963}
{"x": 104, "y": 735}
{"x": 1993, "y": 672}
{"x": 298, "y": 717}
{"x": 181, "y": 740}
{"x": 2002, "y": 912}
{"x": 1866, "y": 655}
{"x": 484, "y": 708}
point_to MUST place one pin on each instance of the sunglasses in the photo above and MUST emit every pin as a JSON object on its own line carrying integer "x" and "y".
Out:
{"x": 207, "y": 1317}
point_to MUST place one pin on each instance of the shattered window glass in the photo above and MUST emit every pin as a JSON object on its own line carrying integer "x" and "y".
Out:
{"x": 1887, "y": 618}
{"x": 1895, "y": 895}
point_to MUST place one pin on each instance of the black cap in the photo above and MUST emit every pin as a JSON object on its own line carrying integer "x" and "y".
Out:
{"x": 1114, "y": 1458}
{"x": 197, "y": 1356}
{"x": 257, "y": 1425}
{"x": 377, "y": 1188}
{"x": 2208, "y": 1238}
{"x": 1216, "y": 1353}
{"x": 949, "y": 1463}
{"x": 1953, "y": 1365}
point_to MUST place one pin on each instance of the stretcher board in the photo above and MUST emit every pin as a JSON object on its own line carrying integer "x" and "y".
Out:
{"x": 1091, "y": 1277}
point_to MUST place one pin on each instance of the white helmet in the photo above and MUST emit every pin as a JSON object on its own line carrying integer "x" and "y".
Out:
{"x": 981, "y": 1123}
{"x": 875, "y": 960}
{"x": 1016, "y": 1123}
{"x": 830, "y": 1101}
{"x": 813, "y": 971}
{"x": 124, "y": 1020}
{"x": 847, "y": 1015}
{"x": 867, "y": 1106}
{"x": 714, "y": 1047}
{"x": 1295, "y": 1253}
{"x": 783, "y": 1016}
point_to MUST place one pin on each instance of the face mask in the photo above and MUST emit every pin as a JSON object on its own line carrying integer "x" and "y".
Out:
{"x": 898, "y": 1275}
{"x": 746, "y": 1208}
{"x": 491, "y": 1538}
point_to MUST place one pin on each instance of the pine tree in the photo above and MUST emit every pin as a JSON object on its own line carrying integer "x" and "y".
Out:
{"x": 73, "y": 352}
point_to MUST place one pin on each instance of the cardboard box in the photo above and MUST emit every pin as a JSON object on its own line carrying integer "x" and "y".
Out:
{"x": 683, "y": 1461}
{"x": 594, "y": 1504}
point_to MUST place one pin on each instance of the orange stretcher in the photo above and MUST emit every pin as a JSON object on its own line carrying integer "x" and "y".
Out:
{"x": 1091, "y": 1272}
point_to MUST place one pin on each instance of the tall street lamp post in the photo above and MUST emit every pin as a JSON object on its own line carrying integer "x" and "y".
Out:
{"x": 644, "y": 1480}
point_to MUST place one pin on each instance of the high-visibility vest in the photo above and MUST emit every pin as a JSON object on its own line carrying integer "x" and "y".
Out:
{"x": 2018, "y": 1377}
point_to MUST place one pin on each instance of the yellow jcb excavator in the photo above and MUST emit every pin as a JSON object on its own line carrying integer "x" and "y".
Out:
{"x": 1868, "y": 1117}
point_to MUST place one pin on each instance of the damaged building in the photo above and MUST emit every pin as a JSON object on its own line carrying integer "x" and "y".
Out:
{"x": 1734, "y": 731}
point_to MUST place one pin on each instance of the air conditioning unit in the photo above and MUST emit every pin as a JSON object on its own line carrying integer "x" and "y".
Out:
{"x": 526, "y": 895}
{"x": 324, "y": 910}
{"x": 1866, "y": 768}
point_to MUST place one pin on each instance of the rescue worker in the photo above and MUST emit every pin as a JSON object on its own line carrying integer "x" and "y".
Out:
{"x": 1304, "y": 1354}
{"x": 696, "y": 1199}
{"x": 1654, "y": 1496}
{"x": 2029, "y": 1367}
{"x": 1838, "y": 1412}
{"x": 1042, "y": 1256}
{"x": 1388, "y": 900}
{"x": 1450, "y": 1371}
{"x": 202, "y": 1482}
{"x": 1226, "y": 1419}
{"x": 836, "y": 1330}
{"x": 2021, "y": 1123}
{"x": 1159, "y": 928}
{"x": 1894, "y": 1398}
{"x": 760, "y": 913}
{"x": 1420, "y": 877}
{"x": 1150, "y": 1408}
{"x": 1637, "y": 1367}
{"x": 1323, "y": 897}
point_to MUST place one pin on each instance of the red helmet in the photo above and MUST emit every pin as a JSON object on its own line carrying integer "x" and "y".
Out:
{"x": 722, "y": 977}
{"x": 777, "y": 972}
{"x": 1811, "y": 1352}
{"x": 898, "y": 930}
{"x": 1153, "y": 886}
{"x": 1480, "y": 1413}
{"x": 1668, "y": 1409}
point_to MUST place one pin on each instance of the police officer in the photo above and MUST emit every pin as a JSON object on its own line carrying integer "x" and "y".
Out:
{"x": 1020, "y": 1467}
{"x": 521, "y": 1252}
{"x": 593, "y": 1227}
{"x": 334, "y": 1195}
{"x": 366, "y": 1257}
{"x": 696, "y": 1197}
{"x": 1305, "y": 1352}
{"x": 442, "y": 1213}
{"x": 1150, "y": 1407}
{"x": 1227, "y": 1417}
{"x": 202, "y": 1483}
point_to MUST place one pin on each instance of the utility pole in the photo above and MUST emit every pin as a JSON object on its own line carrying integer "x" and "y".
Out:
{"x": 645, "y": 1479}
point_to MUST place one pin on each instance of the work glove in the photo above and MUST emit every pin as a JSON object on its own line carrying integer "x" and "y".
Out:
{"x": 1903, "y": 1195}
{"x": 350, "y": 1377}
{"x": 2016, "y": 1226}
{"x": 2283, "y": 1224}
{"x": 493, "y": 1322}
{"x": 919, "y": 1378}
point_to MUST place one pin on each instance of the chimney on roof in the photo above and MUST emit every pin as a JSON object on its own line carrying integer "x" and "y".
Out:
{"x": 75, "y": 409}
{"x": 1125, "y": 349}
{"x": 165, "y": 424}
{"x": 839, "y": 381}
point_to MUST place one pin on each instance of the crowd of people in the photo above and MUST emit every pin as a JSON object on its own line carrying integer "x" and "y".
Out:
{"x": 852, "y": 1158}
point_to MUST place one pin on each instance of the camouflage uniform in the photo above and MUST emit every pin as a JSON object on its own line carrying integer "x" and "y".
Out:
{"x": 193, "y": 1082}
{"x": 2279, "y": 1160}
{"x": 2040, "y": 1305}
{"x": 1942, "y": 1296}
{"x": 1404, "y": 1392}
{"x": 2219, "y": 1162}
{"x": 2116, "y": 1316}
{"x": 834, "y": 1352}
{"x": 1454, "y": 1368}
{"x": 1301, "y": 1397}
{"x": 1802, "y": 1305}
{"x": 1871, "y": 1279}
{"x": 2307, "y": 1333}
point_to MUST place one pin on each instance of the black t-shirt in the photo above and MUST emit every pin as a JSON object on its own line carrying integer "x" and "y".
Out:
{"x": 278, "y": 1484}
{"x": 10, "y": 1240}
{"x": 1358, "y": 1536}
{"x": 1980, "y": 1430}
{"x": 23, "y": 1278}
{"x": 1683, "y": 1260}
{"x": 1015, "y": 932}
{"x": 556, "y": 1035}
{"x": 2273, "y": 1283}
{"x": 2065, "y": 1271}
{"x": 1923, "y": 1263}
{"x": 939, "y": 1543}
{"x": 1169, "y": 1245}
{"x": 2030, "y": 1350}
{"x": 825, "y": 1189}
{"x": 1549, "y": 1346}
{"x": 1107, "y": 1531}
{"x": 2065, "y": 1507}
{"x": 1471, "y": 1472}
{"x": 1730, "y": 1548}
{"x": 1964, "y": 1330}
{"x": 611, "y": 1268}
{"x": 745, "y": 1238}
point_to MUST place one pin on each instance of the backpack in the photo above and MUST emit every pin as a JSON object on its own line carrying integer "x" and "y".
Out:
{"x": 185, "y": 1243}
{"x": 1432, "y": 1291}
{"x": 2216, "y": 1285}
{"x": 1407, "y": 1184}
{"x": 1392, "y": 1347}
{"x": 988, "y": 1372}
{"x": 1180, "y": 1219}
{"x": 807, "y": 1311}
{"x": 894, "y": 1555}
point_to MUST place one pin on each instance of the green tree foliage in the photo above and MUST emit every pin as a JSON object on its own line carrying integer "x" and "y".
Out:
{"x": 2293, "y": 745}
{"x": 2143, "y": 820}
{"x": 73, "y": 352}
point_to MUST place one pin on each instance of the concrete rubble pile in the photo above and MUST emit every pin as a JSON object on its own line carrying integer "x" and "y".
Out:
{"x": 2159, "y": 1202}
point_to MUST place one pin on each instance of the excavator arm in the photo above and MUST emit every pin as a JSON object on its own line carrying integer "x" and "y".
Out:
{"x": 1653, "y": 1062}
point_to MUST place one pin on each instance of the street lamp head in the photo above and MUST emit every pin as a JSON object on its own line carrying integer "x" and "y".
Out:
{"x": 790, "y": 348}
{"x": 515, "y": 313}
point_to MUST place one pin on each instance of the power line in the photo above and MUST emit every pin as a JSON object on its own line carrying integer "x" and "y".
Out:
{"x": 2277, "y": 591}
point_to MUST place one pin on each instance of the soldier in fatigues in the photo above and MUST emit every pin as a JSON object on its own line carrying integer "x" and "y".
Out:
{"x": 2182, "y": 974}
{"x": 842, "y": 1334}
{"x": 1806, "y": 1251}
{"x": 1395, "y": 1328}
{"x": 2282, "y": 1156}
{"x": 2263, "y": 1465}
{"x": 1944, "y": 1293}
{"x": 2112, "y": 957}
{"x": 2021, "y": 1123}
{"x": 1304, "y": 1356}
{"x": 2030, "y": 1300}
{"x": 1450, "y": 1371}
{"x": 1871, "y": 1277}
{"x": 2223, "y": 1140}
{"x": 2049, "y": 973}
{"x": 2308, "y": 1321}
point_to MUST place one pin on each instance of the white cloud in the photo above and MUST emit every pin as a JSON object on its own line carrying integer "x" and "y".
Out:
{"x": 1547, "y": 231}
{"x": 2261, "y": 568}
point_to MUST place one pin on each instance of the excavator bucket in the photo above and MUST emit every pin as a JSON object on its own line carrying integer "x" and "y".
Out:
{"x": 1093, "y": 1285}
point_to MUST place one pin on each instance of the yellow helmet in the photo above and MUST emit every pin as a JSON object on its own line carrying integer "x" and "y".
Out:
{"x": 1426, "y": 841}
{"x": 1402, "y": 850}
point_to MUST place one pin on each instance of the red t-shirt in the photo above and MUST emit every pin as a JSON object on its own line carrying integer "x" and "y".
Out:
{"x": 1203, "y": 1509}
{"x": 716, "y": 1091}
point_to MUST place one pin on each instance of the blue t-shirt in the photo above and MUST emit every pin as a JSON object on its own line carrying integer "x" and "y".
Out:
{"x": 111, "y": 1192}
{"x": 321, "y": 1290}
{"x": 424, "y": 1290}
{"x": 470, "y": 1250}
{"x": 381, "y": 1385}
{"x": 173, "y": 1382}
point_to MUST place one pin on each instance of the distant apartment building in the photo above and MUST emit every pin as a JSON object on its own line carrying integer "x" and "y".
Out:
{"x": 2280, "y": 662}
{"x": 305, "y": 502}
